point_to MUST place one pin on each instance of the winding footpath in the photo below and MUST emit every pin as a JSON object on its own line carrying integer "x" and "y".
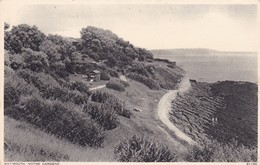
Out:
{"x": 98, "y": 87}
{"x": 164, "y": 107}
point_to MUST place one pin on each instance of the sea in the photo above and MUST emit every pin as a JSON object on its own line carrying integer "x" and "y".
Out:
{"x": 220, "y": 67}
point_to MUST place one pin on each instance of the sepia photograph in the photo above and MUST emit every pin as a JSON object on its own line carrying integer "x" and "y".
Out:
{"x": 122, "y": 81}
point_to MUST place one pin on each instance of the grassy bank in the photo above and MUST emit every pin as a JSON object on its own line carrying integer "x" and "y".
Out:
{"x": 234, "y": 104}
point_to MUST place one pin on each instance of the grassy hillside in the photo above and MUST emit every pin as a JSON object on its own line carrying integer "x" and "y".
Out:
{"x": 47, "y": 98}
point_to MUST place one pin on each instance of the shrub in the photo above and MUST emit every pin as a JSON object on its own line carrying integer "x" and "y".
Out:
{"x": 55, "y": 118}
{"x": 116, "y": 86}
{"x": 112, "y": 102}
{"x": 78, "y": 98}
{"x": 171, "y": 65}
{"x": 105, "y": 117}
{"x": 104, "y": 76}
{"x": 11, "y": 95}
{"x": 62, "y": 74}
{"x": 100, "y": 97}
{"x": 140, "y": 69}
{"x": 39, "y": 80}
{"x": 218, "y": 152}
{"x": 167, "y": 79}
{"x": 58, "y": 93}
{"x": 152, "y": 84}
{"x": 118, "y": 106}
{"x": 36, "y": 61}
{"x": 126, "y": 84}
{"x": 54, "y": 93}
{"x": 79, "y": 86}
{"x": 14, "y": 87}
{"x": 113, "y": 73}
{"x": 142, "y": 149}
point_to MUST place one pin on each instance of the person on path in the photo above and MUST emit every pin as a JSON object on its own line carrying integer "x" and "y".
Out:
{"x": 216, "y": 120}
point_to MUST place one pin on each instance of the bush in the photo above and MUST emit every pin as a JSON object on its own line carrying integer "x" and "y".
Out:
{"x": 152, "y": 84}
{"x": 118, "y": 106}
{"x": 112, "y": 102}
{"x": 167, "y": 79}
{"x": 79, "y": 86}
{"x": 213, "y": 151}
{"x": 58, "y": 93}
{"x": 105, "y": 117}
{"x": 11, "y": 95}
{"x": 140, "y": 69}
{"x": 142, "y": 149}
{"x": 39, "y": 80}
{"x": 126, "y": 84}
{"x": 113, "y": 73}
{"x": 100, "y": 97}
{"x": 116, "y": 86}
{"x": 171, "y": 65}
{"x": 50, "y": 89}
{"x": 104, "y": 76}
{"x": 14, "y": 87}
{"x": 55, "y": 118}
{"x": 35, "y": 61}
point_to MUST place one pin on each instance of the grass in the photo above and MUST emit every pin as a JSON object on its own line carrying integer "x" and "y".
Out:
{"x": 24, "y": 142}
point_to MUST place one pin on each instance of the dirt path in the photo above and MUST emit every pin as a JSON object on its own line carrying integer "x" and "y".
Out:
{"x": 98, "y": 87}
{"x": 164, "y": 107}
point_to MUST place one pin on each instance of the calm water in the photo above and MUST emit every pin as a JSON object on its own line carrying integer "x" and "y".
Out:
{"x": 212, "y": 68}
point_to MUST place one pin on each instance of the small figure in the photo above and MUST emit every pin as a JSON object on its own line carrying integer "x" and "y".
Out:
{"x": 216, "y": 120}
{"x": 213, "y": 121}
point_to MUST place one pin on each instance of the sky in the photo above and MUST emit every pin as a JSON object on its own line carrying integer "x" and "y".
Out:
{"x": 152, "y": 26}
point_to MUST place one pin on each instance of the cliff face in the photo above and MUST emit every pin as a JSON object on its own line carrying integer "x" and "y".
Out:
{"x": 234, "y": 104}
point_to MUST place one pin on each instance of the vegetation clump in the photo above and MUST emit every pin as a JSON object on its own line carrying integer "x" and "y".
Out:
{"x": 112, "y": 103}
{"x": 103, "y": 115}
{"x": 116, "y": 86}
{"x": 55, "y": 118}
{"x": 149, "y": 82}
{"x": 213, "y": 151}
{"x": 143, "y": 149}
{"x": 104, "y": 76}
{"x": 126, "y": 84}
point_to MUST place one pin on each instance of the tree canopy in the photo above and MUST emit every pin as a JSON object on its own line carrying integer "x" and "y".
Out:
{"x": 24, "y": 36}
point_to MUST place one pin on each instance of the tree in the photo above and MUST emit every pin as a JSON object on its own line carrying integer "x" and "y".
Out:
{"x": 112, "y": 60}
{"x": 7, "y": 37}
{"x": 51, "y": 50}
{"x": 130, "y": 52}
{"x": 6, "y": 26}
{"x": 24, "y": 36}
{"x": 144, "y": 54}
{"x": 64, "y": 47}
{"x": 36, "y": 61}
